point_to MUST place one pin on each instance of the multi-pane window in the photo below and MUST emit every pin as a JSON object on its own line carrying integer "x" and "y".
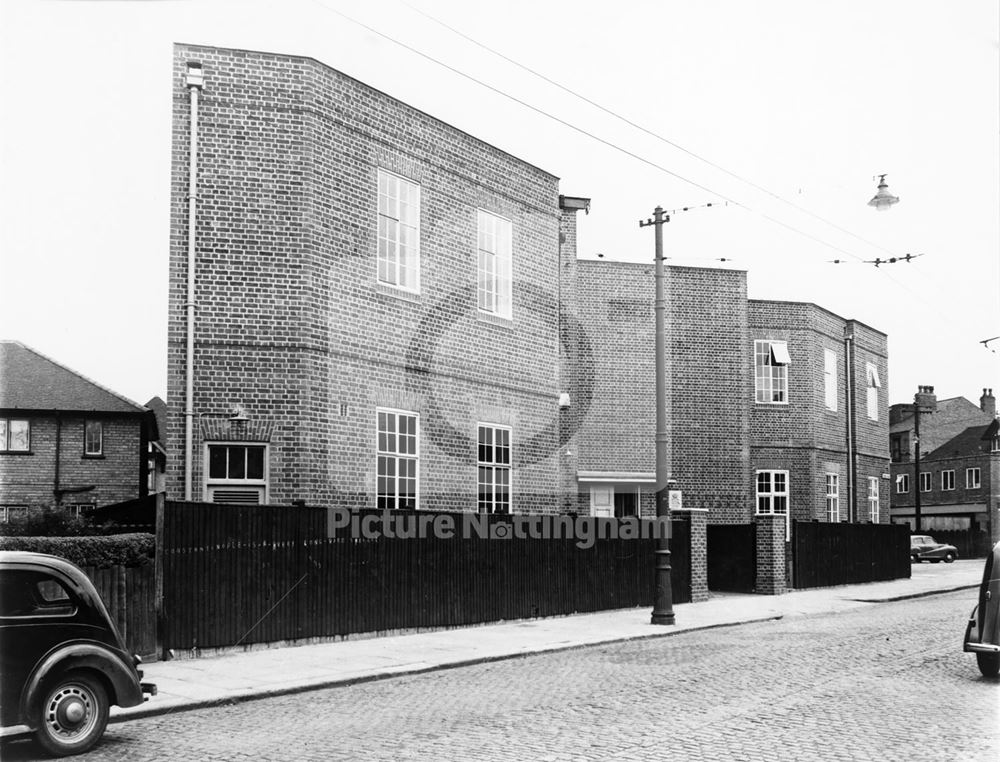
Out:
{"x": 93, "y": 438}
{"x": 771, "y": 360}
{"x": 494, "y": 469}
{"x": 830, "y": 379}
{"x": 15, "y": 435}
{"x": 398, "y": 232}
{"x": 925, "y": 481}
{"x": 833, "y": 497}
{"x": 973, "y": 478}
{"x": 772, "y": 494}
{"x": 948, "y": 479}
{"x": 398, "y": 459}
{"x": 995, "y": 444}
{"x": 902, "y": 484}
{"x": 494, "y": 264}
{"x": 236, "y": 473}
{"x": 873, "y": 499}
{"x": 873, "y": 384}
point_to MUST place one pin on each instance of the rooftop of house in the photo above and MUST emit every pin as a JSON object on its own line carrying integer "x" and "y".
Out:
{"x": 31, "y": 381}
{"x": 972, "y": 441}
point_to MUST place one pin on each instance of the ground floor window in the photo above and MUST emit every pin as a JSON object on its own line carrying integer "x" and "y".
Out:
{"x": 973, "y": 478}
{"x": 833, "y": 497}
{"x": 398, "y": 459}
{"x": 873, "y": 499}
{"x": 235, "y": 473}
{"x": 772, "y": 495}
{"x": 494, "y": 468}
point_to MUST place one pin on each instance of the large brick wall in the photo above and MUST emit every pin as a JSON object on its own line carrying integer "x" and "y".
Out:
{"x": 29, "y": 479}
{"x": 291, "y": 322}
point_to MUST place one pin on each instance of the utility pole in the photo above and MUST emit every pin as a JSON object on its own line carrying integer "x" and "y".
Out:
{"x": 916, "y": 467}
{"x": 663, "y": 605}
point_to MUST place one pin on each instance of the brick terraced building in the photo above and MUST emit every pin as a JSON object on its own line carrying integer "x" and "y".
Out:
{"x": 66, "y": 441}
{"x": 375, "y": 298}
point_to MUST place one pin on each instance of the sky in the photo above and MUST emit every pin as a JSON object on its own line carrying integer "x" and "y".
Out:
{"x": 779, "y": 114}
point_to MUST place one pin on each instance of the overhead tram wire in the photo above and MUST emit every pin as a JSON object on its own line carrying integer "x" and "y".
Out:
{"x": 582, "y": 131}
{"x": 645, "y": 130}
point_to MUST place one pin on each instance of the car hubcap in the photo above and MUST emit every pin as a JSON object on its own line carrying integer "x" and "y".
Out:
{"x": 70, "y": 712}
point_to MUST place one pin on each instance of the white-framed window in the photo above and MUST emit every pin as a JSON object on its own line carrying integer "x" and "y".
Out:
{"x": 398, "y": 232}
{"x": 948, "y": 479}
{"x": 902, "y": 484}
{"x": 995, "y": 444}
{"x": 973, "y": 478}
{"x": 236, "y": 472}
{"x": 873, "y": 499}
{"x": 493, "y": 461}
{"x": 398, "y": 454}
{"x": 8, "y": 512}
{"x": 771, "y": 360}
{"x": 81, "y": 509}
{"x": 925, "y": 481}
{"x": 494, "y": 263}
{"x": 830, "y": 379}
{"x": 874, "y": 384}
{"x": 833, "y": 497}
{"x": 15, "y": 435}
{"x": 772, "y": 495}
{"x": 93, "y": 438}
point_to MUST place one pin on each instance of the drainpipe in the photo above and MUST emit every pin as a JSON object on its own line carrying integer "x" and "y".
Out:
{"x": 56, "y": 491}
{"x": 849, "y": 415}
{"x": 195, "y": 81}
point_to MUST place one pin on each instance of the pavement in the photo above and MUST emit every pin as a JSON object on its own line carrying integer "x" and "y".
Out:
{"x": 191, "y": 683}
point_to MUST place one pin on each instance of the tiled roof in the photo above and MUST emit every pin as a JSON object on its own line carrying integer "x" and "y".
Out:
{"x": 31, "y": 381}
{"x": 972, "y": 441}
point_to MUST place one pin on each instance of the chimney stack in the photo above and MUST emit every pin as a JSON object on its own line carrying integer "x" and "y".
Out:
{"x": 925, "y": 399}
{"x": 988, "y": 403}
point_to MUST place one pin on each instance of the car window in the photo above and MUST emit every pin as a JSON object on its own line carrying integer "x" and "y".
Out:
{"x": 26, "y": 592}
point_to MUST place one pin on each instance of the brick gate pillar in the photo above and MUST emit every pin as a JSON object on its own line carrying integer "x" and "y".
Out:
{"x": 698, "y": 519}
{"x": 770, "y": 554}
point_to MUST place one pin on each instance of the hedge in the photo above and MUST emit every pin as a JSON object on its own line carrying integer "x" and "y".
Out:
{"x": 114, "y": 550}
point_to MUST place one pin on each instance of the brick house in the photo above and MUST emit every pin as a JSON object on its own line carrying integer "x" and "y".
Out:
{"x": 376, "y": 298}
{"x": 959, "y": 475}
{"x": 66, "y": 441}
{"x": 778, "y": 405}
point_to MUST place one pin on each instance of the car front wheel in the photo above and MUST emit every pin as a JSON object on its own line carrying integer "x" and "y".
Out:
{"x": 74, "y": 713}
{"x": 989, "y": 664}
{"x": 949, "y": 557}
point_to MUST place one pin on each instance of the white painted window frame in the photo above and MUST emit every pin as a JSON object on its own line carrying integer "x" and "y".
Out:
{"x": 495, "y": 466}
{"x": 926, "y": 479}
{"x": 87, "y": 440}
{"x": 948, "y": 480}
{"x": 873, "y": 499}
{"x": 210, "y": 483}
{"x": 830, "y": 391}
{"x": 902, "y": 484}
{"x": 494, "y": 264}
{"x": 397, "y": 455}
{"x": 973, "y": 478}
{"x": 832, "y": 497}
{"x": 773, "y": 495}
{"x": 393, "y": 261}
{"x": 872, "y": 384}
{"x": 770, "y": 376}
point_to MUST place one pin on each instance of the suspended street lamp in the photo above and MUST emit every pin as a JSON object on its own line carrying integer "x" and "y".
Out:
{"x": 883, "y": 199}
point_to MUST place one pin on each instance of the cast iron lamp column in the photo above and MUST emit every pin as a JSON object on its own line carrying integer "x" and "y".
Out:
{"x": 663, "y": 606}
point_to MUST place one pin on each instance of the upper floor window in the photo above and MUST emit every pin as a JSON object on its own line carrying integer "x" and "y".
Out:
{"x": 771, "y": 360}
{"x": 995, "y": 446}
{"x": 772, "y": 494}
{"x": 973, "y": 478}
{"x": 873, "y": 499}
{"x": 494, "y": 469}
{"x": 494, "y": 264}
{"x": 925, "y": 481}
{"x": 948, "y": 479}
{"x": 15, "y": 435}
{"x": 236, "y": 473}
{"x": 902, "y": 484}
{"x": 93, "y": 438}
{"x": 398, "y": 232}
{"x": 873, "y": 384}
{"x": 398, "y": 459}
{"x": 830, "y": 379}
{"x": 833, "y": 497}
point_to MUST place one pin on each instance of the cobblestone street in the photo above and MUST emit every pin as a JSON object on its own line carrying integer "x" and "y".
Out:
{"x": 885, "y": 682}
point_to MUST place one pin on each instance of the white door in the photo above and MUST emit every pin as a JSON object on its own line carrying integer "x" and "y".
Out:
{"x": 602, "y": 500}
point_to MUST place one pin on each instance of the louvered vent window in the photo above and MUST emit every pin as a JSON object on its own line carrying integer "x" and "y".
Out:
{"x": 236, "y": 473}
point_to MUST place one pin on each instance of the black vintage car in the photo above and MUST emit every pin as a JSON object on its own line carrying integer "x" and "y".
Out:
{"x": 982, "y": 633}
{"x": 63, "y": 663}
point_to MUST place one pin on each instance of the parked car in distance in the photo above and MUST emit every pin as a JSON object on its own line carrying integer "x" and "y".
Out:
{"x": 63, "y": 663}
{"x": 982, "y": 633}
{"x": 924, "y": 548}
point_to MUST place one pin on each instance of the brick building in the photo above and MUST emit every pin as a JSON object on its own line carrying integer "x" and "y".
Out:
{"x": 66, "y": 441}
{"x": 375, "y": 298}
{"x": 773, "y": 406}
{"x": 959, "y": 474}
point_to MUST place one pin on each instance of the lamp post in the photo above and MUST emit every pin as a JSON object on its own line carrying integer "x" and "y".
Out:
{"x": 663, "y": 606}
{"x": 923, "y": 401}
